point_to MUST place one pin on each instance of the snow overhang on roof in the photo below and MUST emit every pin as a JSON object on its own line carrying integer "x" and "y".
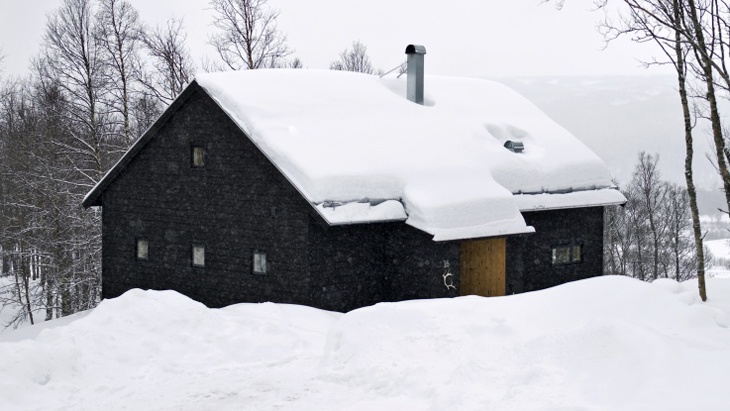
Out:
{"x": 592, "y": 197}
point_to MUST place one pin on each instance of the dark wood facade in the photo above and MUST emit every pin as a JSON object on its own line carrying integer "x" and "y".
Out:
{"x": 235, "y": 204}
{"x": 239, "y": 203}
{"x": 530, "y": 267}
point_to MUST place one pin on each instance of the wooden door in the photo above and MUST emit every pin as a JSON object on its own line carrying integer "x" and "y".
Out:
{"x": 483, "y": 264}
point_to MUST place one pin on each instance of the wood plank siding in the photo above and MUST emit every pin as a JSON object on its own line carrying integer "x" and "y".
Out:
{"x": 483, "y": 264}
{"x": 237, "y": 203}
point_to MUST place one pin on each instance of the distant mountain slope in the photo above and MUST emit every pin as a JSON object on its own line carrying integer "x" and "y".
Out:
{"x": 618, "y": 116}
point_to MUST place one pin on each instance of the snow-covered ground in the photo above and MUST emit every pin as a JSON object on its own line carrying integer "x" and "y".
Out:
{"x": 608, "y": 343}
{"x": 9, "y": 311}
{"x": 720, "y": 250}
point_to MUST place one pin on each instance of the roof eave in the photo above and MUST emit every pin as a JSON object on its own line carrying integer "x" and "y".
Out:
{"x": 581, "y": 198}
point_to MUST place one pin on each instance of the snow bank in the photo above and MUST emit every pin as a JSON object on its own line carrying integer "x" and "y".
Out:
{"x": 157, "y": 350}
{"x": 341, "y": 136}
{"x": 608, "y": 343}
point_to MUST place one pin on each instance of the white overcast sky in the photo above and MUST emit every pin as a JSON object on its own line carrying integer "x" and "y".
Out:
{"x": 485, "y": 38}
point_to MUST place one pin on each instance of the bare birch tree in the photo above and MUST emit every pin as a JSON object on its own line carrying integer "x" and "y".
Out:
{"x": 617, "y": 240}
{"x": 679, "y": 226}
{"x": 636, "y": 248}
{"x": 652, "y": 194}
{"x": 247, "y": 36}
{"x": 679, "y": 28}
{"x": 355, "y": 59}
{"x": 37, "y": 237}
{"x": 16, "y": 211}
{"x": 118, "y": 31}
{"x": 172, "y": 67}
{"x": 73, "y": 58}
{"x": 60, "y": 131}
{"x": 72, "y": 65}
{"x": 680, "y": 67}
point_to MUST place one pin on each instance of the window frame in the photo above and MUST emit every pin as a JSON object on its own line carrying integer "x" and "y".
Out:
{"x": 570, "y": 250}
{"x": 139, "y": 241}
{"x": 203, "y": 155}
{"x": 255, "y": 268}
{"x": 192, "y": 255}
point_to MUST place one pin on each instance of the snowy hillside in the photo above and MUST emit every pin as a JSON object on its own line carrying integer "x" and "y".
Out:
{"x": 720, "y": 250}
{"x": 619, "y": 116}
{"x": 608, "y": 343}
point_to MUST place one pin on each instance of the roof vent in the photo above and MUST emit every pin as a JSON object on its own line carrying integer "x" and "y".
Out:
{"x": 514, "y": 146}
{"x": 414, "y": 89}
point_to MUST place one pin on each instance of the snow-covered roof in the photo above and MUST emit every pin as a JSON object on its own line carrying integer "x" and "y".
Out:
{"x": 359, "y": 151}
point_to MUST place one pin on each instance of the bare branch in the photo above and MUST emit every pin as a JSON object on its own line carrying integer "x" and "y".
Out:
{"x": 248, "y": 37}
{"x": 356, "y": 60}
{"x": 172, "y": 66}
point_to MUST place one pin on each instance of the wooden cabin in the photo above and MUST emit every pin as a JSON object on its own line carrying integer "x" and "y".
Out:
{"x": 336, "y": 190}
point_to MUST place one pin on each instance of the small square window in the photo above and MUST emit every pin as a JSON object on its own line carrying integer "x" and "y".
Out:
{"x": 576, "y": 254}
{"x": 198, "y": 256}
{"x": 198, "y": 156}
{"x": 567, "y": 254}
{"x": 259, "y": 262}
{"x": 561, "y": 255}
{"x": 143, "y": 249}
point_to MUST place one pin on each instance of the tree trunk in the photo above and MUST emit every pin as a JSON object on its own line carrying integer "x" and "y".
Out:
{"x": 26, "y": 289}
{"x": 705, "y": 61}
{"x": 689, "y": 154}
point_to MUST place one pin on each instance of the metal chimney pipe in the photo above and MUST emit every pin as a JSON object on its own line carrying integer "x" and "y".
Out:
{"x": 414, "y": 89}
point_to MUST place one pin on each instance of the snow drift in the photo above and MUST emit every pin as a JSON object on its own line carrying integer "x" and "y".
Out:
{"x": 607, "y": 343}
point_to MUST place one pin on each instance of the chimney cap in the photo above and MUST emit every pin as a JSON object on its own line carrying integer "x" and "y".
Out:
{"x": 415, "y": 49}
